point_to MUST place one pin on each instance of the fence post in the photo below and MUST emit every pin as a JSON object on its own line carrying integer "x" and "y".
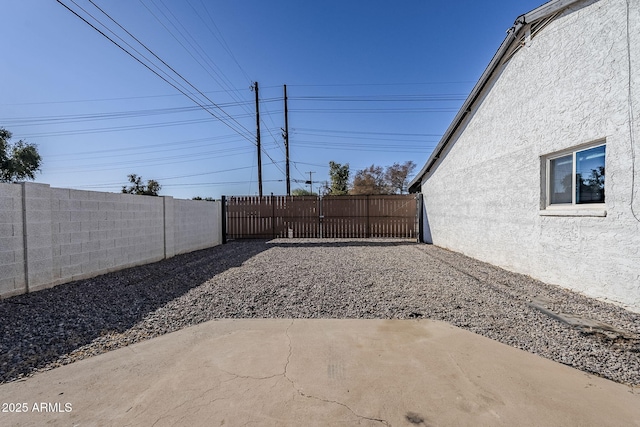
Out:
{"x": 223, "y": 218}
{"x": 368, "y": 200}
{"x": 320, "y": 230}
{"x": 273, "y": 218}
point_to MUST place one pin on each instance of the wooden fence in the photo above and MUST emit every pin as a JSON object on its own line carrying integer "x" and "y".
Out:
{"x": 253, "y": 217}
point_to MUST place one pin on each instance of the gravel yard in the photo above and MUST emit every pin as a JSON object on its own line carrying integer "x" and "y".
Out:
{"x": 297, "y": 278}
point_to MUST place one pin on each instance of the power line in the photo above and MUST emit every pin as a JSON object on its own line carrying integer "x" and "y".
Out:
{"x": 382, "y": 98}
{"x": 154, "y": 71}
{"x": 153, "y": 162}
{"x": 104, "y": 184}
{"x": 154, "y": 148}
{"x": 223, "y": 43}
{"x": 75, "y": 118}
{"x": 374, "y": 110}
{"x": 363, "y": 147}
{"x": 367, "y": 138}
{"x": 118, "y": 128}
{"x": 150, "y": 63}
{"x": 221, "y": 79}
{"x": 218, "y": 183}
{"x": 382, "y": 84}
{"x": 124, "y": 98}
{"x": 341, "y": 131}
{"x": 167, "y": 65}
{"x": 220, "y": 39}
{"x": 196, "y": 155}
{"x": 118, "y": 150}
{"x": 195, "y": 184}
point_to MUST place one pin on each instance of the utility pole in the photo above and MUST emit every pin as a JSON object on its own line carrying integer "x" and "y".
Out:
{"x": 325, "y": 189}
{"x": 286, "y": 139}
{"x": 310, "y": 182}
{"x": 255, "y": 88}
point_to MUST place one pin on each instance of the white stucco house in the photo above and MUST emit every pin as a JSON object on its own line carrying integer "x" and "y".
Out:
{"x": 539, "y": 172}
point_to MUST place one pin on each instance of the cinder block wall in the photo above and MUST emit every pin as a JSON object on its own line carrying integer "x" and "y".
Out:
{"x": 11, "y": 240}
{"x": 196, "y": 224}
{"x": 99, "y": 232}
{"x": 50, "y": 235}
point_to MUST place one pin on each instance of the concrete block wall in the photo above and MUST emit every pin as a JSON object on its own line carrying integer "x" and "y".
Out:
{"x": 94, "y": 232}
{"x": 50, "y": 235}
{"x": 196, "y": 224}
{"x": 38, "y": 236}
{"x": 12, "y": 272}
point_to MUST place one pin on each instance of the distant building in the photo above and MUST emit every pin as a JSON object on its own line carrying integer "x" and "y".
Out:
{"x": 539, "y": 172}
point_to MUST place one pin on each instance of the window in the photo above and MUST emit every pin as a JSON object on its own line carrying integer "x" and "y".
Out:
{"x": 576, "y": 177}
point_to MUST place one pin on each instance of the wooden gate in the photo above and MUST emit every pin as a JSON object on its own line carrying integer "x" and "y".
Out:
{"x": 369, "y": 216}
{"x": 268, "y": 217}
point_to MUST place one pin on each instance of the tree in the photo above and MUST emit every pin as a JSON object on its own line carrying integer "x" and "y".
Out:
{"x": 206, "y": 199}
{"x": 591, "y": 189}
{"x": 302, "y": 192}
{"x": 339, "y": 175}
{"x": 19, "y": 161}
{"x": 397, "y": 175}
{"x": 370, "y": 181}
{"x": 137, "y": 187}
{"x": 596, "y": 180}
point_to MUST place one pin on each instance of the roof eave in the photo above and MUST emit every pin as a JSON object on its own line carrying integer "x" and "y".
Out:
{"x": 545, "y": 10}
{"x": 465, "y": 109}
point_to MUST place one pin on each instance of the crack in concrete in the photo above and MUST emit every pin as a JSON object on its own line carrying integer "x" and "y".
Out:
{"x": 167, "y": 414}
{"x": 308, "y": 396}
{"x": 285, "y": 375}
{"x": 286, "y": 366}
{"x": 197, "y": 408}
{"x": 160, "y": 419}
{"x": 282, "y": 374}
{"x": 379, "y": 420}
{"x": 246, "y": 377}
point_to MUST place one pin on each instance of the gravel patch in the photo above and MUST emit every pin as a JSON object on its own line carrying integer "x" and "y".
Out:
{"x": 298, "y": 278}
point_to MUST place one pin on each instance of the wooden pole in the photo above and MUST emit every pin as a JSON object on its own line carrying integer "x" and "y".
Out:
{"x": 255, "y": 87}
{"x": 286, "y": 139}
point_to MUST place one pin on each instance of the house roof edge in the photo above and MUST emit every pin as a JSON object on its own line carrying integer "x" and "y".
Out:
{"x": 542, "y": 11}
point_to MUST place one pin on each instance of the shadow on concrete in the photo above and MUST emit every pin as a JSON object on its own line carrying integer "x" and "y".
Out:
{"x": 43, "y": 327}
{"x": 39, "y": 328}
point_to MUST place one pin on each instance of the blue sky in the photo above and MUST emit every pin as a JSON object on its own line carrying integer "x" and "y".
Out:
{"x": 373, "y": 82}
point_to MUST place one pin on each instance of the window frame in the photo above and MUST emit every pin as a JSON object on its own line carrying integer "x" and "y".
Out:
{"x": 547, "y": 185}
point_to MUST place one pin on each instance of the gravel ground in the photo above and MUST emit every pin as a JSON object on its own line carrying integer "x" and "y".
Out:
{"x": 297, "y": 278}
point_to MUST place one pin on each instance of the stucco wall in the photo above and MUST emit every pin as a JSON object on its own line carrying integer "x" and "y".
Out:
{"x": 569, "y": 85}
{"x": 50, "y": 236}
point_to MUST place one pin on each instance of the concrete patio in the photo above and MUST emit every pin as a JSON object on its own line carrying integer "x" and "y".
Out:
{"x": 319, "y": 372}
